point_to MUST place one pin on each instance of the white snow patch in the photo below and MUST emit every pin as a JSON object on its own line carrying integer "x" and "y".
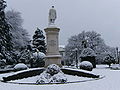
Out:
{"x": 20, "y": 66}
{"x": 86, "y": 63}
{"x": 39, "y": 55}
{"x": 115, "y": 66}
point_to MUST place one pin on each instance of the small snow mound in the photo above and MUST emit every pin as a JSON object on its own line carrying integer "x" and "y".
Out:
{"x": 39, "y": 55}
{"x": 20, "y": 66}
{"x": 87, "y": 52}
{"x": 60, "y": 77}
{"x": 86, "y": 65}
{"x": 43, "y": 78}
{"x": 115, "y": 67}
{"x": 52, "y": 74}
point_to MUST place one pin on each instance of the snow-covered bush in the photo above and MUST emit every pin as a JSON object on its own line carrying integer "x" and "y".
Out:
{"x": 108, "y": 59}
{"x": 60, "y": 77}
{"x": 39, "y": 59}
{"x": 115, "y": 67}
{"x": 52, "y": 74}
{"x": 38, "y": 55}
{"x": 87, "y": 52}
{"x": 20, "y": 66}
{"x": 86, "y": 65}
{"x": 53, "y": 69}
{"x": 2, "y": 63}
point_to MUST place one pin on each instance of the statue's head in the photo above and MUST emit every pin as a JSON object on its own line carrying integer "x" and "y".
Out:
{"x": 52, "y": 6}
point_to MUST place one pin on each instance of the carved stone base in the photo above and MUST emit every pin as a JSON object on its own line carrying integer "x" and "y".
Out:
{"x": 53, "y": 59}
{"x": 53, "y": 56}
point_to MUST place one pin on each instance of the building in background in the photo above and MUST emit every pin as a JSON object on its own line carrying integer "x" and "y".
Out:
{"x": 62, "y": 50}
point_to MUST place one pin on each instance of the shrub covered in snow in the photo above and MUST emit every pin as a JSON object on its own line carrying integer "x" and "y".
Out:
{"x": 2, "y": 63}
{"x": 108, "y": 59}
{"x": 115, "y": 66}
{"x": 60, "y": 77}
{"x": 39, "y": 59}
{"x": 86, "y": 65}
{"x": 52, "y": 74}
{"x": 38, "y": 55}
{"x": 20, "y": 66}
{"x": 88, "y": 55}
{"x": 53, "y": 69}
{"x": 87, "y": 52}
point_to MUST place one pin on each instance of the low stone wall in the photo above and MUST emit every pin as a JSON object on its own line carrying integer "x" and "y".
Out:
{"x": 79, "y": 73}
{"x": 35, "y": 72}
{"x": 22, "y": 75}
{"x": 6, "y": 70}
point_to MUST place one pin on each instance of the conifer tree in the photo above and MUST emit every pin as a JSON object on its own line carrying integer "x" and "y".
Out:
{"x": 5, "y": 35}
{"x": 39, "y": 41}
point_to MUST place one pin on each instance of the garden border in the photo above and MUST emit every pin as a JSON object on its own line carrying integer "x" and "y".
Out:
{"x": 34, "y": 72}
{"x": 93, "y": 79}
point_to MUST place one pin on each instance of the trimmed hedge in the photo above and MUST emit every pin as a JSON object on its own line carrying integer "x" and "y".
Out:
{"x": 86, "y": 65}
{"x": 22, "y": 75}
{"x": 31, "y": 73}
{"x": 79, "y": 73}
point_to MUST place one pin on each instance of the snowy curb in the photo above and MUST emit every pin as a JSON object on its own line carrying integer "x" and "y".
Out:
{"x": 91, "y": 79}
{"x": 23, "y": 74}
{"x": 82, "y": 73}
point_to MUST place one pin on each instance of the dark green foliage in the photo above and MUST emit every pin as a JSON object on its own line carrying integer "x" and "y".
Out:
{"x": 39, "y": 41}
{"x": 5, "y": 35}
{"x": 40, "y": 63}
{"x": 108, "y": 59}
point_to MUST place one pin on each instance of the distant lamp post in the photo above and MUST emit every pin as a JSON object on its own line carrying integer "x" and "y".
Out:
{"x": 76, "y": 56}
{"x": 117, "y": 55}
{"x": 85, "y": 40}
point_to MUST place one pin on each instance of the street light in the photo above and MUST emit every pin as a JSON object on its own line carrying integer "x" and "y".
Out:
{"x": 76, "y": 56}
{"x": 117, "y": 53}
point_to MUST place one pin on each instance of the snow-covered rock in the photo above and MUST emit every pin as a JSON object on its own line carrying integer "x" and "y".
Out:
{"x": 60, "y": 78}
{"x": 53, "y": 69}
{"x": 43, "y": 78}
{"x": 87, "y": 52}
{"x": 52, "y": 74}
{"x": 86, "y": 65}
{"x": 20, "y": 66}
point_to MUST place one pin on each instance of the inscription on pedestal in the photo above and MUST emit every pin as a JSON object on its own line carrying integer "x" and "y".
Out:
{"x": 52, "y": 42}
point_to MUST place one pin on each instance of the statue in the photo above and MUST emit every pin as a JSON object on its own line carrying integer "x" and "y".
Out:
{"x": 52, "y": 16}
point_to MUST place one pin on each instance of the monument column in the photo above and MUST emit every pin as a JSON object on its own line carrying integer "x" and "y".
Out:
{"x": 52, "y": 37}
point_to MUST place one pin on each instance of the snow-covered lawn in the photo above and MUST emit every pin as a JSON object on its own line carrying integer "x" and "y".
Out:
{"x": 110, "y": 82}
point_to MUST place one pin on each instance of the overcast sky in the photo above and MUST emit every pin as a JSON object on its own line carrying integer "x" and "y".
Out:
{"x": 74, "y": 16}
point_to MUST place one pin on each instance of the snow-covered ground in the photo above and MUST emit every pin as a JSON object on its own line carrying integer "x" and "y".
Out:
{"x": 110, "y": 82}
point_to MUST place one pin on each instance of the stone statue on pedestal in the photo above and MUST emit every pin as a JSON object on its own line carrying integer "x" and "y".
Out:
{"x": 52, "y": 16}
{"x": 52, "y": 38}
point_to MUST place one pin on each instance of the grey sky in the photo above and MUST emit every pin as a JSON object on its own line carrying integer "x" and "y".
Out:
{"x": 74, "y": 16}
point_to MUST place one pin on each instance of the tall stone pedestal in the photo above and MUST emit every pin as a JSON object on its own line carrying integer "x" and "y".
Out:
{"x": 53, "y": 56}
